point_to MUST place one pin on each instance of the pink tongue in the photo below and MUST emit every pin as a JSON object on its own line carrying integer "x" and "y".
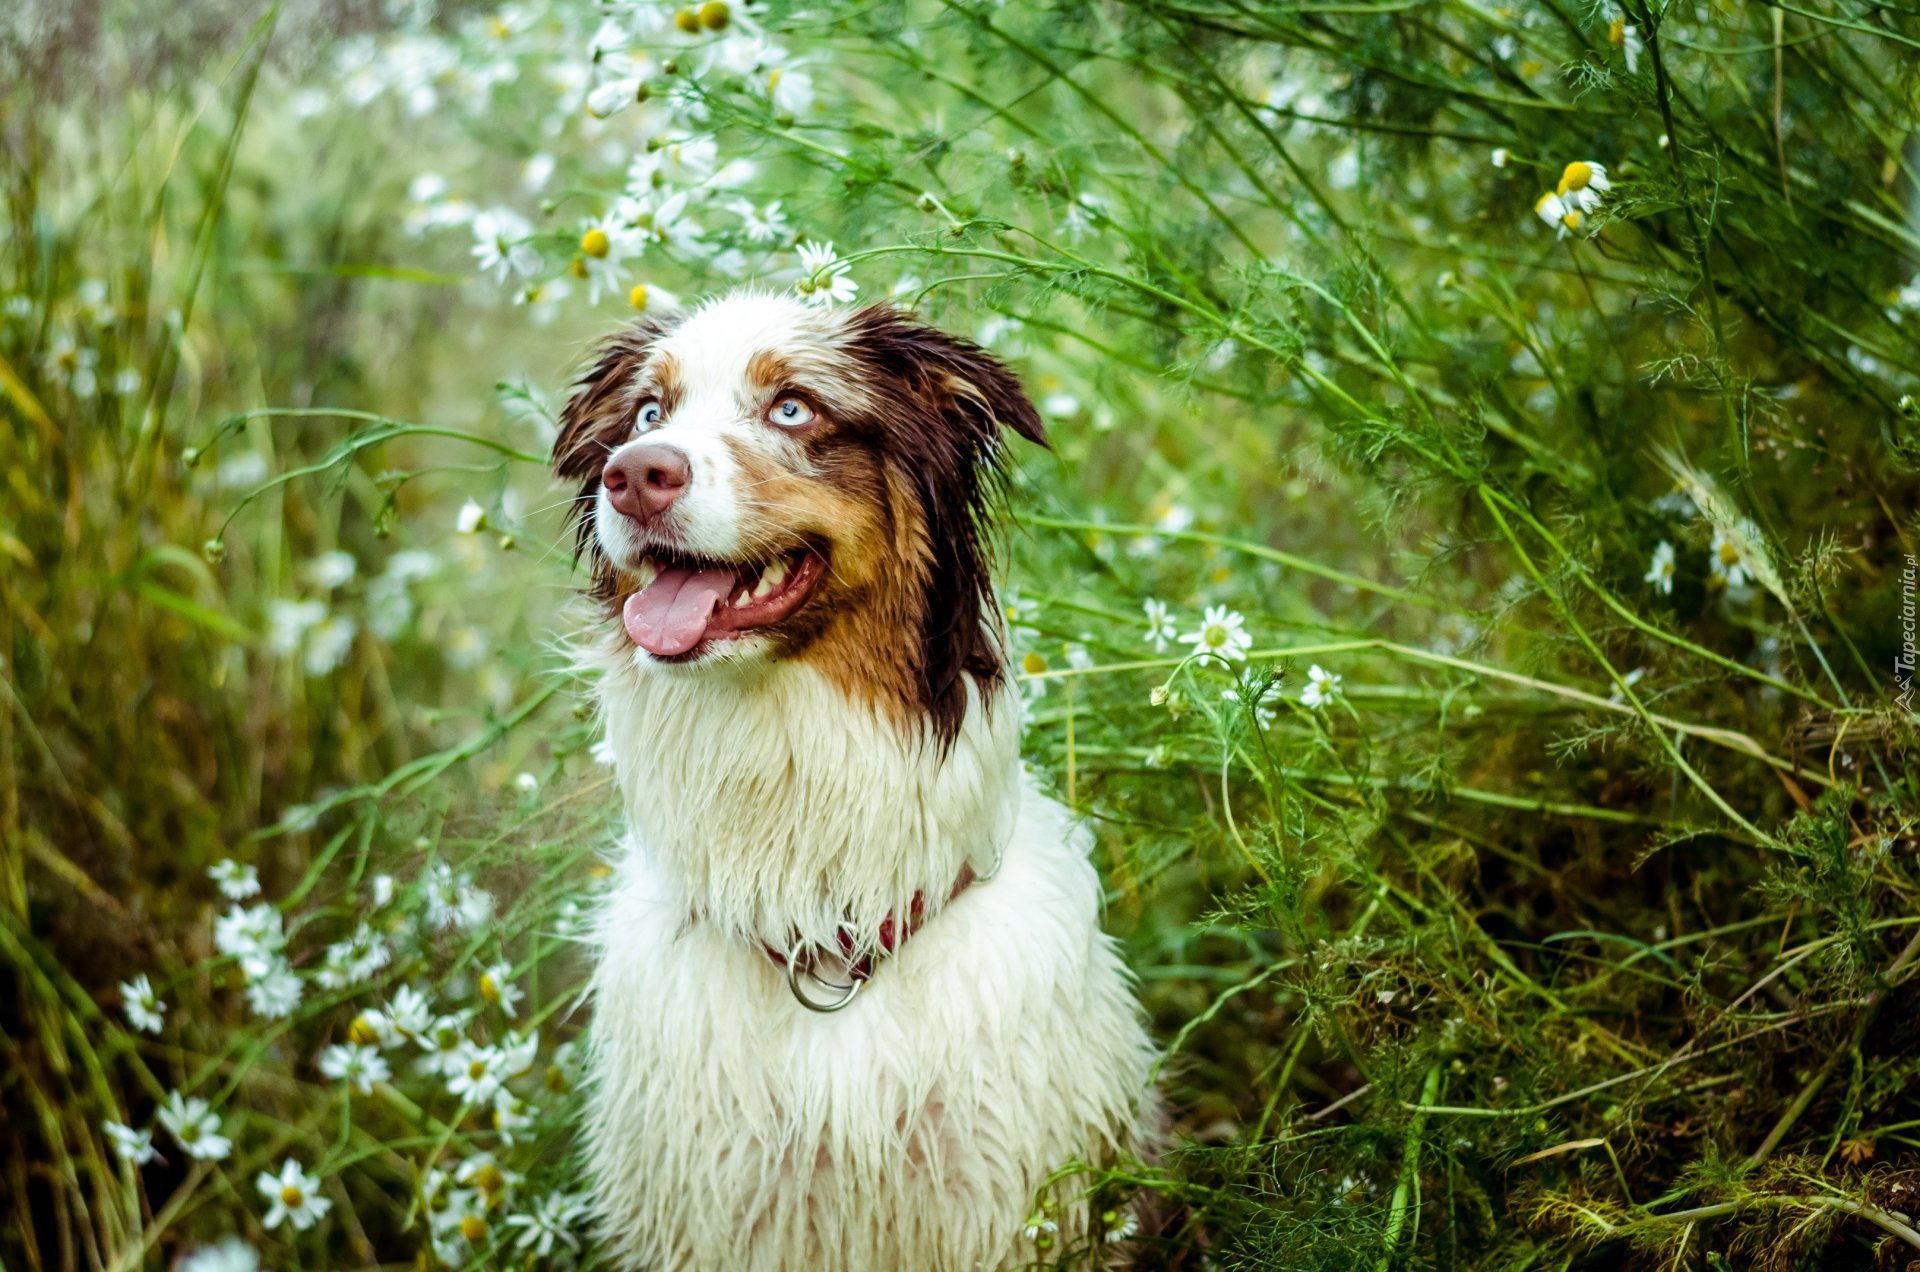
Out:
{"x": 669, "y": 615}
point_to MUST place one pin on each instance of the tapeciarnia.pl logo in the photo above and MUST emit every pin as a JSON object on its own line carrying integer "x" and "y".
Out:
{"x": 1903, "y": 662}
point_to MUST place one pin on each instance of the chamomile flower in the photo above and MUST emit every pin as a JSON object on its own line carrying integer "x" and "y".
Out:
{"x": 790, "y": 90}
{"x": 1581, "y": 185}
{"x": 331, "y": 570}
{"x": 553, "y": 1220}
{"x": 293, "y": 1196}
{"x": 229, "y": 1254}
{"x": 1557, "y": 212}
{"x": 501, "y": 245}
{"x": 471, "y": 519}
{"x": 1039, "y": 1225}
{"x": 194, "y": 1126}
{"x": 355, "y": 1065}
{"x": 1119, "y": 1225}
{"x": 604, "y": 248}
{"x": 477, "y": 1075}
{"x": 496, "y": 988}
{"x": 374, "y": 1028}
{"x": 445, "y": 1041}
{"x": 1726, "y": 565}
{"x": 623, "y": 82}
{"x": 1660, "y": 570}
{"x": 353, "y": 960}
{"x": 328, "y": 644}
{"x": 1222, "y": 631}
{"x": 454, "y": 901}
{"x": 1322, "y": 687}
{"x": 144, "y": 1009}
{"x": 275, "y": 992}
{"x": 824, "y": 277}
{"x": 135, "y": 1148}
{"x": 410, "y": 1012}
{"x": 1624, "y": 36}
{"x": 1161, "y": 629}
{"x": 760, "y": 225}
{"x": 235, "y": 881}
{"x": 252, "y": 935}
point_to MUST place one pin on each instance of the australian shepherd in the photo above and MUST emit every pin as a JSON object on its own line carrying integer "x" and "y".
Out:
{"x": 853, "y": 1006}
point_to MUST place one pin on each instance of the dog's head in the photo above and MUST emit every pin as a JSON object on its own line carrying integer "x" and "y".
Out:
{"x": 763, "y": 480}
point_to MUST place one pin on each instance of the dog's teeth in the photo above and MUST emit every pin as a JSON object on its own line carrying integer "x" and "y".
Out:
{"x": 775, "y": 575}
{"x": 764, "y": 586}
{"x": 743, "y": 598}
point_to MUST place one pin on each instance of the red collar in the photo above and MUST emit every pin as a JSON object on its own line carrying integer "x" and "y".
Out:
{"x": 803, "y": 960}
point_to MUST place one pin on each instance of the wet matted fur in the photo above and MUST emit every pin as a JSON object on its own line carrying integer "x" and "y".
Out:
{"x": 808, "y": 779}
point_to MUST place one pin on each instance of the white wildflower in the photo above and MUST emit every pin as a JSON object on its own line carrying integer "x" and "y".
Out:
{"x": 331, "y": 570}
{"x": 294, "y": 1197}
{"x": 1222, "y": 631}
{"x": 476, "y": 1075}
{"x": 1660, "y": 570}
{"x": 359, "y": 1067}
{"x": 1727, "y": 563}
{"x": 501, "y": 247}
{"x": 194, "y": 1126}
{"x": 135, "y": 1148}
{"x": 554, "y": 1220}
{"x": 229, "y": 1254}
{"x": 235, "y": 881}
{"x": 471, "y": 519}
{"x": 496, "y": 988}
{"x": 1581, "y": 185}
{"x": 144, "y": 1009}
{"x": 275, "y": 992}
{"x": 1161, "y": 629}
{"x": 824, "y": 276}
{"x": 328, "y": 644}
{"x": 1322, "y": 687}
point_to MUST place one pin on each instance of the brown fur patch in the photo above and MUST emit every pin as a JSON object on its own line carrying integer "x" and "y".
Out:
{"x": 767, "y": 371}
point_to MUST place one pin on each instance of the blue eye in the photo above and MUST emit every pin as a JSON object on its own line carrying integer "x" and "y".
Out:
{"x": 790, "y": 412}
{"x": 649, "y": 414}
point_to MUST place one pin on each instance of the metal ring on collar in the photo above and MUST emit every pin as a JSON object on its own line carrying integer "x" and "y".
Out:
{"x": 794, "y": 973}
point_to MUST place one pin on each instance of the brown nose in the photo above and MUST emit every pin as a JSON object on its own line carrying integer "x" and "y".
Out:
{"x": 643, "y": 481}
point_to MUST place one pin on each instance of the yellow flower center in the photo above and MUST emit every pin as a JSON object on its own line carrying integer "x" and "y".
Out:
{"x": 1576, "y": 177}
{"x": 773, "y": 78}
{"x": 477, "y": 1070}
{"x": 578, "y": 267}
{"x": 1572, "y": 219}
{"x": 595, "y": 243}
{"x": 1034, "y": 663}
{"x": 291, "y": 1196}
{"x": 1728, "y": 554}
{"x": 1215, "y": 635}
{"x": 1617, "y": 33}
{"x": 638, "y": 296}
{"x": 362, "y": 1032}
{"x": 488, "y": 1179}
{"x": 688, "y": 22}
{"x": 714, "y": 15}
{"x": 473, "y": 1228}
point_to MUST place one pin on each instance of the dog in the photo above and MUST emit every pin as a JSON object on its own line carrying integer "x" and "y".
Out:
{"x": 852, "y": 1005}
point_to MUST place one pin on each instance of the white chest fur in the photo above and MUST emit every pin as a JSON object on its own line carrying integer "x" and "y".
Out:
{"x": 732, "y": 1128}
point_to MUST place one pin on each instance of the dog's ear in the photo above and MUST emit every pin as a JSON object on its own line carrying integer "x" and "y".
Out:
{"x": 947, "y": 400}
{"x": 599, "y": 412}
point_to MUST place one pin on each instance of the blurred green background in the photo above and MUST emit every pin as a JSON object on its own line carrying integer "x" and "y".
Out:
{"x": 1516, "y": 400}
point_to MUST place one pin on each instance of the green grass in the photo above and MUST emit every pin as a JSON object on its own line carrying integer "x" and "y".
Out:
{"x": 1579, "y": 927}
